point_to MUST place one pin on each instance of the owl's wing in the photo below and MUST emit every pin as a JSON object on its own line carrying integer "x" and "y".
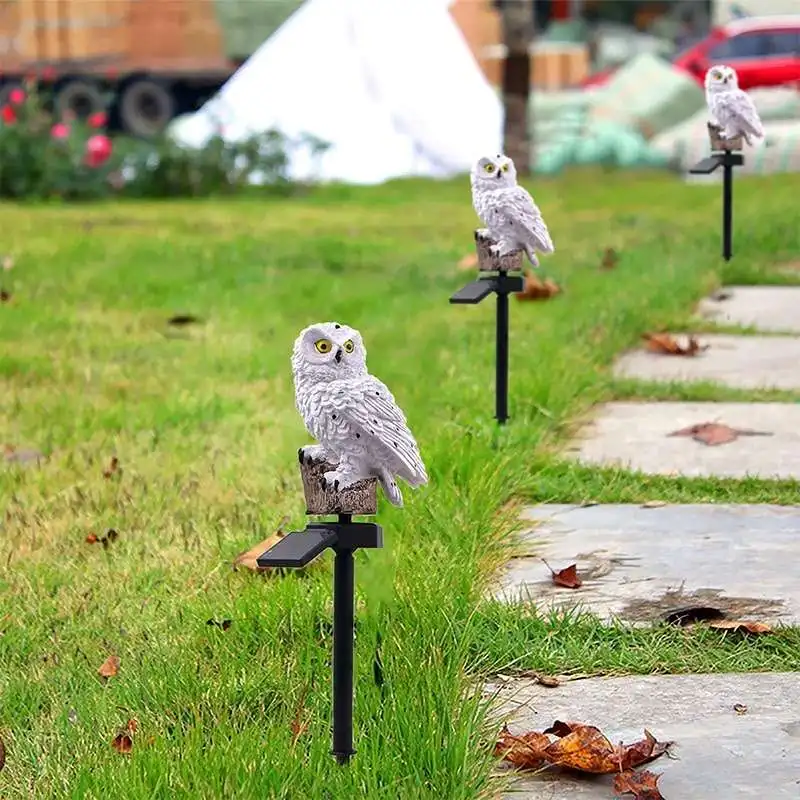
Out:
{"x": 740, "y": 106}
{"x": 517, "y": 206}
{"x": 370, "y": 410}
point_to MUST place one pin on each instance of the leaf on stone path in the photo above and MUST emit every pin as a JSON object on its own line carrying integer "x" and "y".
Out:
{"x": 643, "y": 751}
{"x": 585, "y": 749}
{"x": 112, "y": 469}
{"x": 741, "y": 626}
{"x": 653, "y": 504}
{"x": 642, "y": 785}
{"x": 109, "y": 668}
{"x": 740, "y": 708}
{"x": 525, "y": 751}
{"x": 537, "y": 289}
{"x": 560, "y": 729}
{"x": 567, "y": 577}
{"x": 692, "y": 614}
{"x": 180, "y": 320}
{"x": 2, "y": 755}
{"x": 716, "y": 433}
{"x": 468, "y": 262}
{"x": 610, "y": 258}
{"x": 123, "y": 741}
{"x": 224, "y": 624}
{"x": 666, "y": 344}
{"x": 550, "y": 681}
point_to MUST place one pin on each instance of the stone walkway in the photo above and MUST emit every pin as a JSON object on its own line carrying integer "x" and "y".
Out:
{"x": 641, "y": 564}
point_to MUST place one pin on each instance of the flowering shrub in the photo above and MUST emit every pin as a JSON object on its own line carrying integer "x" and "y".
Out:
{"x": 42, "y": 156}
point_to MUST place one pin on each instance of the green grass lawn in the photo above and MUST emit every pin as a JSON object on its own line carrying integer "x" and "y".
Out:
{"x": 203, "y": 424}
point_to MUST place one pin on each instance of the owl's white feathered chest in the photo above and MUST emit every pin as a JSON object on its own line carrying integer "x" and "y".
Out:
{"x": 319, "y": 405}
{"x": 487, "y": 203}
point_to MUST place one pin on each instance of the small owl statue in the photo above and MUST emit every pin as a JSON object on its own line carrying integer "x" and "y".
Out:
{"x": 353, "y": 416}
{"x": 731, "y": 108}
{"x": 508, "y": 211}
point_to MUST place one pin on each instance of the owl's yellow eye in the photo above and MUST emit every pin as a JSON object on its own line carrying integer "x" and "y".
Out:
{"x": 323, "y": 346}
{"x": 489, "y": 168}
{"x": 716, "y": 75}
{"x": 349, "y": 346}
{"x": 504, "y": 168}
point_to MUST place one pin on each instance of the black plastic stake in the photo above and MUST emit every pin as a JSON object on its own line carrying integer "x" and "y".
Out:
{"x": 343, "y": 647}
{"x": 502, "y": 284}
{"x": 727, "y": 160}
{"x": 299, "y": 548}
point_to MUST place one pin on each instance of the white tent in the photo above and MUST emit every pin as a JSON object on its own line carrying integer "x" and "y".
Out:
{"x": 391, "y": 85}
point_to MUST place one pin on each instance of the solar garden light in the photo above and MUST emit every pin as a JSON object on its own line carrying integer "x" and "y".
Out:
{"x": 344, "y": 537}
{"x": 725, "y": 153}
{"x": 495, "y": 278}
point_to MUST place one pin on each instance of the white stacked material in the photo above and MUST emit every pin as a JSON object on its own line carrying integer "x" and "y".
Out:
{"x": 392, "y": 87}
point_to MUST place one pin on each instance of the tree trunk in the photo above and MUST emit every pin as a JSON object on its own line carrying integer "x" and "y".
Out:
{"x": 517, "y": 18}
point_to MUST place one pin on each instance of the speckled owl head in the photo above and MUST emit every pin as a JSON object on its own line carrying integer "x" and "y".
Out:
{"x": 329, "y": 351}
{"x": 494, "y": 172}
{"x": 721, "y": 79}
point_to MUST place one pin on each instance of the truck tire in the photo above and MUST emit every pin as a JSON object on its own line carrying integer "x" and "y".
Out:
{"x": 146, "y": 107}
{"x": 81, "y": 97}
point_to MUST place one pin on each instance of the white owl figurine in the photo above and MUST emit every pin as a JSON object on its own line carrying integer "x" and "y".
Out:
{"x": 353, "y": 416}
{"x": 508, "y": 211}
{"x": 731, "y": 109}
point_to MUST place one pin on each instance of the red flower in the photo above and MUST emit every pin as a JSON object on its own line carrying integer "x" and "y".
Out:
{"x": 98, "y": 150}
{"x": 98, "y": 119}
{"x": 16, "y": 96}
{"x": 60, "y": 131}
{"x": 8, "y": 115}
{"x": 49, "y": 74}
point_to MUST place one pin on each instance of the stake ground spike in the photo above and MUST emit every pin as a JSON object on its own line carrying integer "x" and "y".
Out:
{"x": 726, "y": 154}
{"x": 496, "y": 279}
{"x": 344, "y": 537}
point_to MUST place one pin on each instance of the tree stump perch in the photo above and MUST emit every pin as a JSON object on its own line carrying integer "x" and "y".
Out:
{"x": 488, "y": 261}
{"x": 359, "y": 499}
{"x": 719, "y": 144}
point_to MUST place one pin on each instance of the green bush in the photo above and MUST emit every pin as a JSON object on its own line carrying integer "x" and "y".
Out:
{"x": 44, "y": 157}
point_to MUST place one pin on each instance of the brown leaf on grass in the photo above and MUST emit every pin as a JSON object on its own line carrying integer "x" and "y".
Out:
{"x": 247, "y": 559}
{"x": 666, "y": 344}
{"x": 112, "y": 468}
{"x": 123, "y": 741}
{"x": 5, "y": 296}
{"x": 180, "y": 320}
{"x": 741, "y": 626}
{"x": 2, "y": 755}
{"x": 224, "y": 624}
{"x": 468, "y": 262}
{"x": 567, "y": 577}
{"x": 716, "y": 433}
{"x": 537, "y": 289}
{"x": 525, "y": 751}
{"x": 298, "y": 725}
{"x": 91, "y": 538}
{"x": 109, "y": 668}
{"x": 642, "y": 785}
{"x": 610, "y": 258}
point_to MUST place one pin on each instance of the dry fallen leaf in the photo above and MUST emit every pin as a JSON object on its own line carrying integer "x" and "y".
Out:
{"x": 109, "y": 668}
{"x": 537, "y": 289}
{"x": 567, "y": 577}
{"x": 610, "y": 258}
{"x": 666, "y": 344}
{"x": 584, "y": 748}
{"x": 716, "y": 433}
{"x": 642, "y": 785}
{"x": 740, "y": 708}
{"x": 112, "y": 469}
{"x": 525, "y": 751}
{"x": 654, "y": 504}
{"x": 468, "y": 262}
{"x": 91, "y": 538}
{"x": 5, "y": 296}
{"x": 298, "y": 725}
{"x": 248, "y": 558}
{"x": 550, "y": 681}
{"x": 741, "y": 626}
{"x": 638, "y": 753}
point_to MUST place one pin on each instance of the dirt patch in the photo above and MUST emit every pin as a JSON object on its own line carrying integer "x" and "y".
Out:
{"x": 656, "y": 609}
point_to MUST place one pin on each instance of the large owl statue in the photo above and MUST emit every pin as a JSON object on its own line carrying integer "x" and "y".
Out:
{"x": 508, "y": 211}
{"x": 352, "y": 415}
{"x": 731, "y": 108}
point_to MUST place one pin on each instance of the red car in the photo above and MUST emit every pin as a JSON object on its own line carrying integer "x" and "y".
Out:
{"x": 764, "y": 51}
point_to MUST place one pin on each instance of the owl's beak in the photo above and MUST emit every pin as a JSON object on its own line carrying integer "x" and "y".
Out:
{"x": 499, "y": 173}
{"x": 338, "y": 356}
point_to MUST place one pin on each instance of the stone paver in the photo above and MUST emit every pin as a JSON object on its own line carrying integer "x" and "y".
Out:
{"x": 745, "y": 362}
{"x": 636, "y": 435}
{"x": 767, "y": 308}
{"x": 719, "y": 754}
{"x": 639, "y": 564}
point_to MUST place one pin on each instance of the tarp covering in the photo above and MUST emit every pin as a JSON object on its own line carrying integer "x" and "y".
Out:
{"x": 392, "y": 87}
